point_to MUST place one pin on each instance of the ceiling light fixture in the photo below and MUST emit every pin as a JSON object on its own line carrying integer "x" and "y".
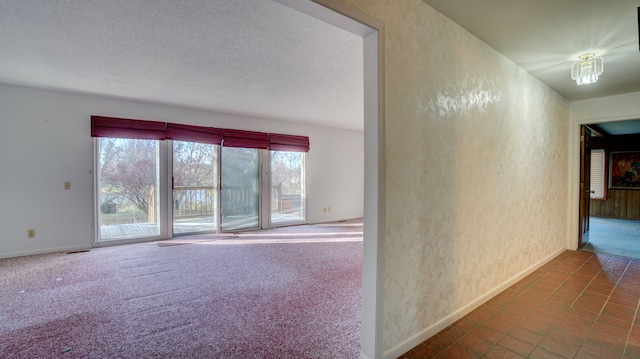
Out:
{"x": 587, "y": 70}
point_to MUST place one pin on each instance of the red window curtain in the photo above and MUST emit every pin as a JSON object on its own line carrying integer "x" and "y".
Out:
{"x": 246, "y": 139}
{"x": 194, "y": 133}
{"x": 278, "y": 142}
{"x": 125, "y": 128}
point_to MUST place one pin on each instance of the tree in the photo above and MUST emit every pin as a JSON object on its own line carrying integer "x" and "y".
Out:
{"x": 128, "y": 170}
{"x": 194, "y": 164}
{"x": 286, "y": 171}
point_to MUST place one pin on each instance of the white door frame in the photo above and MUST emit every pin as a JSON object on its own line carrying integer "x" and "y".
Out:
{"x": 372, "y": 32}
{"x": 574, "y": 173}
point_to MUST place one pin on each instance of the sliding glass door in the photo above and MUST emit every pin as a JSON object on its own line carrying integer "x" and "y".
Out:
{"x": 128, "y": 188}
{"x": 287, "y": 177}
{"x": 240, "y": 197}
{"x": 155, "y": 189}
{"x": 194, "y": 187}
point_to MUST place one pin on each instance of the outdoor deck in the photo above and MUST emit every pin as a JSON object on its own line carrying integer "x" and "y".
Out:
{"x": 186, "y": 226}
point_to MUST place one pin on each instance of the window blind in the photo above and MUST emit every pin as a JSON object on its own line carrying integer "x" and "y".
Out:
{"x": 597, "y": 174}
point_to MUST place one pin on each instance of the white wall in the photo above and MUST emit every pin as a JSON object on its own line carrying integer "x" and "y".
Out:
{"x": 606, "y": 109}
{"x": 477, "y": 168}
{"x": 45, "y": 141}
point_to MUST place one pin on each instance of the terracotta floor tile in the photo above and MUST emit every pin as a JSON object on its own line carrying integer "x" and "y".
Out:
{"x": 596, "y": 350}
{"x": 475, "y": 343}
{"x": 452, "y": 333}
{"x": 498, "y": 352}
{"x": 562, "y": 342}
{"x": 508, "y": 317}
{"x": 438, "y": 342}
{"x": 499, "y": 325}
{"x": 540, "y": 353}
{"x": 576, "y": 324}
{"x": 589, "y": 303}
{"x": 487, "y": 334}
{"x": 535, "y": 326}
{"x": 465, "y": 325}
{"x": 580, "y": 305}
{"x": 516, "y": 345}
{"x": 526, "y": 335}
{"x": 621, "y": 312}
{"x": 607, "y": 334}
{"x": 634, "y": 337}
{"x": 627, "y": 300}
{"x": 613, "y": 321}
{"x": 633, "y": 349}
{"x": 457, "y": 351}
{"x": 420, "y": 352}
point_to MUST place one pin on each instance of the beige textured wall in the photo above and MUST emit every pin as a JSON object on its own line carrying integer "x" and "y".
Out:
{"x": 477, "y": 166}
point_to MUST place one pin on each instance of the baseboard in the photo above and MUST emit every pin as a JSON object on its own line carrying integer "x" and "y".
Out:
{"x": 44, "y": 251}
{"x": 363, "y": 356}
{"x": 427, "y": 333}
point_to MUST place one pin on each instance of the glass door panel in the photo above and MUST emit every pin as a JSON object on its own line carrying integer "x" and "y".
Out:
{"x": 240, "y": 197}
{"x": 287, "y": 187}
{"x": 128, "y": 188}
{"x": 195, "y": 187}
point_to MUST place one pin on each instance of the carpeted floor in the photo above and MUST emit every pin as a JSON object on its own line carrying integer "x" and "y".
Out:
{"x": 267, "y": 294}
{"x": 614, "y": 236}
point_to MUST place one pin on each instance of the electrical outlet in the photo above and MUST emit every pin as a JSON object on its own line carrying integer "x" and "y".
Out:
{"x": 31, "y": 233}
{"x": 328, "y": 209}
{"x": 324, "y": 209}
{"x": 67, "y": 185}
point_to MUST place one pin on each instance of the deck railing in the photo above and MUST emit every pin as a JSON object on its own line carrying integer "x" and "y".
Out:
{"x": 200, "y": 201}
{"x": 193, "y": 201}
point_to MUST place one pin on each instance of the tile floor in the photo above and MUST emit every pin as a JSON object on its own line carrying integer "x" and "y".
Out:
{"x": 579, "y": 305}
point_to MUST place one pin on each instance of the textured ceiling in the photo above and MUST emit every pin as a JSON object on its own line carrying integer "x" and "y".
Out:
{"x": 545, "y": 36}
{"x": 261, "y": 58}
{"x": 252, "y": 57}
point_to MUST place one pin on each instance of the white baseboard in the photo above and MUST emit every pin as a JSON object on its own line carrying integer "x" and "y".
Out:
{"x": 44, "y": 251}
{"x": 432, "y": 330}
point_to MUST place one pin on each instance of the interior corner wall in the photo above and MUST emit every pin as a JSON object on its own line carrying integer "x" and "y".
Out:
{"x": 477, "y": 172}
{"x": 45, "y": 141}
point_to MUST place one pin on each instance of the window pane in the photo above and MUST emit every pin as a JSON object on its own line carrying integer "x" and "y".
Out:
{"x": 195, "y": 187}
{"x": 240, "y": 197}
{"x": 128, "y": 195}
{"x": 287, "y": 187}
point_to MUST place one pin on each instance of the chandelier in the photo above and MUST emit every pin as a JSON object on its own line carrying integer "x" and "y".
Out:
{"x": 587, "y": 70}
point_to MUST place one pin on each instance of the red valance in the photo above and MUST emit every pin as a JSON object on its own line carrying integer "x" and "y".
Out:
{"x": 246, "y": 139}
{"x": 153, "y": 130}
{"x": 180, "y": 132}
{"x": 291, "y": 143}
{"x": 125, "y": 128}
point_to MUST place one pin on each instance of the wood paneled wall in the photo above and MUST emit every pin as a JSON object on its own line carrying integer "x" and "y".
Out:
{"x": 620, "y": 203}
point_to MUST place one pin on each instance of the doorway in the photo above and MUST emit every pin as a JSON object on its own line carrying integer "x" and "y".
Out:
{"x": 613, "y": 211}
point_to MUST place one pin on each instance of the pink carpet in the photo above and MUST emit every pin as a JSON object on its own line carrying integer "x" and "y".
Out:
{"x": 254, "y": 295}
